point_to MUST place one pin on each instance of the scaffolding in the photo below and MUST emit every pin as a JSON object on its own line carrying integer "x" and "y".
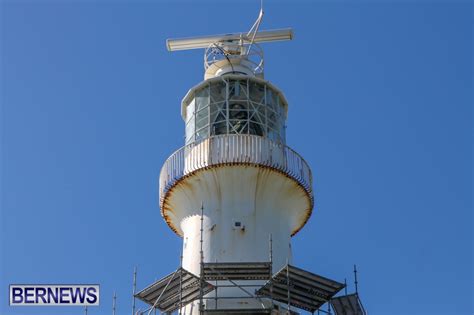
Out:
{"x": 276, "y": 293}
{"x": 291, "y": 286}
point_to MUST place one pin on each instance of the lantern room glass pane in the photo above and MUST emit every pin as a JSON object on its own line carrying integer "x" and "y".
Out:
{"x": 202, "y": 133}
{"x": 190, "y": 131}
{"x": 202, "y": 118}
{"x": 257, "y": 92}
{"x": 202, "y": 98}
{"x": 219, "y": 128}
{"x": 217, "y": 91}
{"x": 190, "y": 110}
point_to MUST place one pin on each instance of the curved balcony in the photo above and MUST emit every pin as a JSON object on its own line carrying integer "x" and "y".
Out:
{"x": 234, "y": 149}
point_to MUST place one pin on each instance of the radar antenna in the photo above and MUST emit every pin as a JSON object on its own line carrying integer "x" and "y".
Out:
{"x": 237, "y": 53}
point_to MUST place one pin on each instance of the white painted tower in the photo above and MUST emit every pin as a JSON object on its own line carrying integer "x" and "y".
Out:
{"x": 235, "y": 192}
{"x": 236, "y": 164}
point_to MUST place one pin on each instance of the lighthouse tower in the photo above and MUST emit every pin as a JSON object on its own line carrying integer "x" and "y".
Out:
{"x": 236, "y": 164}
{"x": 236, "y": 192}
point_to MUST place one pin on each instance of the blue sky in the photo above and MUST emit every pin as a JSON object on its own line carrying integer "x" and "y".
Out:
{"x": 380, "y": 106}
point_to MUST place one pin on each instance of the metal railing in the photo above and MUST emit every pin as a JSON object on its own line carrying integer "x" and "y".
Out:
{"x": 234, "y": 149}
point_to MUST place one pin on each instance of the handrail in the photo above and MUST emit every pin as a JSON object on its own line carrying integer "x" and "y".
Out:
{"x": 234, "y": 149}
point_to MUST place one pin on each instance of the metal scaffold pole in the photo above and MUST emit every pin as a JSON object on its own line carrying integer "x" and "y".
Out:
{"x": 201, "y": 306}
{"x": 355, "y": 279}
{"x": 134, "y": 289}
{"x": 114, "y": 303}
{"x": 181, "y": 284}
{"x": 271, "y": 268}
{"x": 215, "y": 292}
{"x": 288, "y": 284}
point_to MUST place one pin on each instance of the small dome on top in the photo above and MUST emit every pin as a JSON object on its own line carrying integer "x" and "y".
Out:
{"x": 233, "y": 57}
